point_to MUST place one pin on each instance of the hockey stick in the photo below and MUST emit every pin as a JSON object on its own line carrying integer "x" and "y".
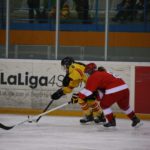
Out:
{"x": 45, "y": 109}
{"x": 34, "y": 118}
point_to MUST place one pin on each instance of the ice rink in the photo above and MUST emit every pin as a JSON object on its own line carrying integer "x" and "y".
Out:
{"x": 66, "y": 133}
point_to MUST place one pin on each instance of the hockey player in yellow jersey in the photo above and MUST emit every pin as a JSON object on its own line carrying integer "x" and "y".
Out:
{"x": 74, "y": 76}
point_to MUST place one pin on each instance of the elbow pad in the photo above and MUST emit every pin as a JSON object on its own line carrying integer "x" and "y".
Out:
{"x": 66, "y": 80}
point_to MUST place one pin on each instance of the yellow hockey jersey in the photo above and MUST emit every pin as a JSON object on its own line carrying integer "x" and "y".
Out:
{"x": 76, "y": 74}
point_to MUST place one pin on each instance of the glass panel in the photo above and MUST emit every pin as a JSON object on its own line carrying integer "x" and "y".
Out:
{"x": 129, "y": 25}
{"x": 84, "y": 19}
{"x": 82, "y": 29}
{"x": 30, "y": 30}
{"x": 2, "y": 28}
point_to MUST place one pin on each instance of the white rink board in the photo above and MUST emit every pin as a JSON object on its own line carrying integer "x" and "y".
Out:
{"x": 18, "y": 88}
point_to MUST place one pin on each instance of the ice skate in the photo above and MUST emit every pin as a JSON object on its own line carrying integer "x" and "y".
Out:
{"x": 100, "y": 119}
{"x": 86, "y": 119}
{"x": 111, "y": 123}
{"x": 136, "y": 122}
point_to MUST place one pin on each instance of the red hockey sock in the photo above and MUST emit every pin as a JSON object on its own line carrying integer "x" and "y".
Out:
{"x": 131, "y": 115}
{"x": 110, "y": 117}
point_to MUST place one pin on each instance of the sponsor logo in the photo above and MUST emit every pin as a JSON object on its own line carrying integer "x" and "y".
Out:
{"x": 25, "y": 79}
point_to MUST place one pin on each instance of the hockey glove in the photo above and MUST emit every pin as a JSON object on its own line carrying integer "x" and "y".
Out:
{"x": 59, "y": 93}
{"x": 74, "y": 98}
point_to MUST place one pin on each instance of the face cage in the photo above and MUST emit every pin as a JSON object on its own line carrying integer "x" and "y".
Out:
{"x": 64, "y": 67}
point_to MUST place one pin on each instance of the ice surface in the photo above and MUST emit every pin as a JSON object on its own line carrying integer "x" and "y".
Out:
{"x": 66, "y": 133}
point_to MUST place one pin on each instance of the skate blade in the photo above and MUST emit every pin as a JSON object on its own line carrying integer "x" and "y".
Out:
{"x": 87, "y": 123}
{"x": 109, "y": 129}
{"x": 139, "y": 125}
{"x": 100, "y": 123}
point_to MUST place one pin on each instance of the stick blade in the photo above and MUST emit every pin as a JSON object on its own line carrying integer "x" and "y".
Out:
{"x": 5, "y": 127}
{"x": 37, "y": 120}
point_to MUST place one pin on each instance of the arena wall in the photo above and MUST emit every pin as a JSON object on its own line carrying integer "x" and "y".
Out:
{"x": 26, "y": 85}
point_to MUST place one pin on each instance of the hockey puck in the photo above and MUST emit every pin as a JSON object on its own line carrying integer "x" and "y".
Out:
{"x": 30, "y": 121}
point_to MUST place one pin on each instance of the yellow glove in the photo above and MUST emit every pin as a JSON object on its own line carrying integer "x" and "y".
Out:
{"x": 74, "y": 98}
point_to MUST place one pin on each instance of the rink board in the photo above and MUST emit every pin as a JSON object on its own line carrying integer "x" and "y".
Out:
{"x": 28, "y": 84}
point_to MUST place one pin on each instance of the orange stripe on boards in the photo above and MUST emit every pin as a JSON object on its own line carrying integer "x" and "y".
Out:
{"x": 82, "y": 38}
{"x": 120, "y": 39}
{"x": 29, "y": 37}
{"x": 2, "y": 37}
{"x": 32, "y": 37}
{"x": 68, "y": 38}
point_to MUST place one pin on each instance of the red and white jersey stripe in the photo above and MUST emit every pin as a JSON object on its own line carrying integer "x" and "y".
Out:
{"x": 103, "y": 80}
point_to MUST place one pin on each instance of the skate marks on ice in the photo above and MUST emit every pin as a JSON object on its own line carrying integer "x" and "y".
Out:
{"x": 66, "y": 133}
